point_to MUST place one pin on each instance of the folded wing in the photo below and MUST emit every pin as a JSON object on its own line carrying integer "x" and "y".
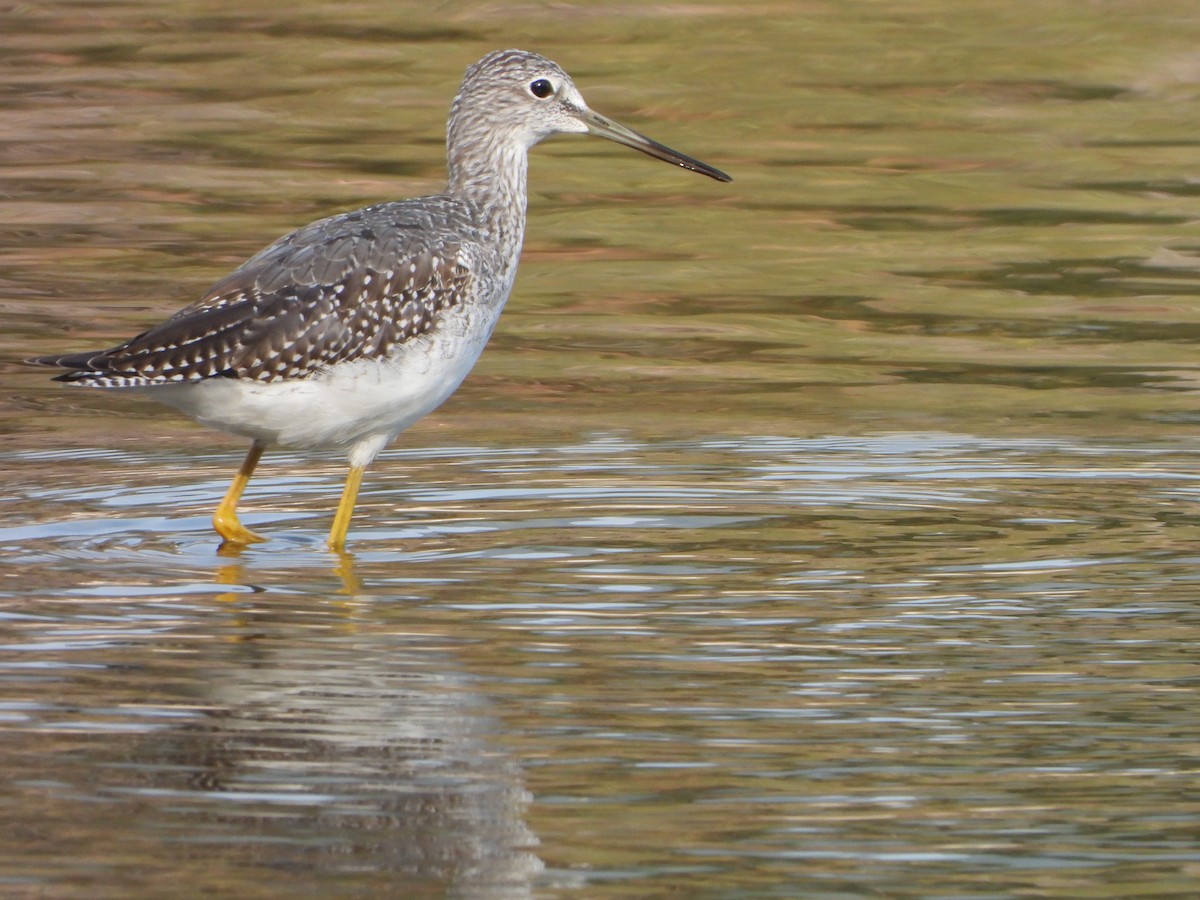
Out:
{"x": 351, "y": 287}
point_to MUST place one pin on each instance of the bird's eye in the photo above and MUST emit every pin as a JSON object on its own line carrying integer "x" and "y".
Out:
{"x": 541, "y": 88}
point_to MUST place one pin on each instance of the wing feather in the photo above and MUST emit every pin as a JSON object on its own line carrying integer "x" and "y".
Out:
{"x": 354, "y": 286}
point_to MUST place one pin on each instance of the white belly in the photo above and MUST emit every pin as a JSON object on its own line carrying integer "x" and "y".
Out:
{"x": 362, "y": 405}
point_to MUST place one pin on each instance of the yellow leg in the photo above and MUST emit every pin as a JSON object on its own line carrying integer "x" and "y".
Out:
{"x": 341, "y": 521}
{"x": 225, "y": 519}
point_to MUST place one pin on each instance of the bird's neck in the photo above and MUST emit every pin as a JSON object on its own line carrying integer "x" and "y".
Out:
{"x": 491, "y": 181}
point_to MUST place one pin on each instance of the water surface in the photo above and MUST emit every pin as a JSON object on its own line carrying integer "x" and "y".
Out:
{"x": 827, "y": 534}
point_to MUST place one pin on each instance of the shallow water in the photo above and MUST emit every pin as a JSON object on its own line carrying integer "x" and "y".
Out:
{"x": 827, "y": 534}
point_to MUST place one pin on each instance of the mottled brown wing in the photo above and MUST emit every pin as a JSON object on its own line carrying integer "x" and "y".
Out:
{"x": 338, "y": 290}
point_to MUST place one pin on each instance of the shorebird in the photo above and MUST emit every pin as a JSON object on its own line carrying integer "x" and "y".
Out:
{"x": 345, "y": 332}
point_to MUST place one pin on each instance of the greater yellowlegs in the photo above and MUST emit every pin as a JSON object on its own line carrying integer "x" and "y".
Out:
{"x": 344, "y": 333}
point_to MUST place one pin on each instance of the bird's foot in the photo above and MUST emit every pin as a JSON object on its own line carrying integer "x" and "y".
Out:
{"x": 233, "y": 531}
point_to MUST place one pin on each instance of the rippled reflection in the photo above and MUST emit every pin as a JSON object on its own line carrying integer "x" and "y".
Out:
{"x": 836, "y": 644}
{"x": 246, "y": 736}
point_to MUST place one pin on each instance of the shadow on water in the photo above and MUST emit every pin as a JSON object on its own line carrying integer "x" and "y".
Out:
{"x": 917, "y": 217}
{"x": 1091, "y": 279}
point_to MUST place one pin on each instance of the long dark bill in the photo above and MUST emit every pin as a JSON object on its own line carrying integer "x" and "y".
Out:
{"x": 604, "y": 127}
